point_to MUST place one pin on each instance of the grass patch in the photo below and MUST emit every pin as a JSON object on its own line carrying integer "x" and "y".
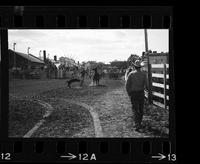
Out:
{"x": 156, "y": 121}
{"x": 65, "y": 121}
{"x": 23, "y": 115}
{"x": 85, "y": 91}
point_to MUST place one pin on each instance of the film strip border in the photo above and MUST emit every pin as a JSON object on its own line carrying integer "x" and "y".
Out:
{"x": 93, "y": 151}
{"x": 86, "y": 17}
{"x": 118, "y": 150}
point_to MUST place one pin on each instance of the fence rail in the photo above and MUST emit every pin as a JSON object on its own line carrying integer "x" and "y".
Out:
{"x": 164, "y": 86}
{"x": 160, "y": 85}
{"x": 159, "y": 75}
{"x": 160, "y": 95}
{"x": 159, "y": 65}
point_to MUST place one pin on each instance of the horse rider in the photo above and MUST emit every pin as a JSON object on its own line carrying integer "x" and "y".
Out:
{"x": 96, "y": 76}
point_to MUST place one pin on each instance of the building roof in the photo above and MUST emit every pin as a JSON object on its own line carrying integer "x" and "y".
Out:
{"x": 29, "y": 57}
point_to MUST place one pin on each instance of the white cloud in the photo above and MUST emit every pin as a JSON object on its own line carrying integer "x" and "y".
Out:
{"x": 83, "y": 45}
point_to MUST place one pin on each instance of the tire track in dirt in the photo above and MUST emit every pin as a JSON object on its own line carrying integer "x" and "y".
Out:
{"x": 49, "y": 110}
{"x": 96, "y": 121}
{"x": 47, "y": 114}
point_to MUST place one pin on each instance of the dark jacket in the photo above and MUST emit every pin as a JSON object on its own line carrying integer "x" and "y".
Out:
{"x": 136, "y": 81}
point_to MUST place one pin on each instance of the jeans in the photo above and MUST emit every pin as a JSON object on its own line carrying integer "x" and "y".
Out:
{"x": 137, "y": 101}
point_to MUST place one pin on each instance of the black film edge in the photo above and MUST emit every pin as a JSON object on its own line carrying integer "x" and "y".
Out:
{"x": 130, "y": 150}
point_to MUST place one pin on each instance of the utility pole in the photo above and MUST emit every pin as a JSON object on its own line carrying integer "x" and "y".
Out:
{"x": 14, "y": 44}
{"x": 28, "y": 58}
{"x": 149, "y": 68}
{"x": 146, "y": 40}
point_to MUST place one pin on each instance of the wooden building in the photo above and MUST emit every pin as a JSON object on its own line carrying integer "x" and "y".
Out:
{"x": 21, "y": 64}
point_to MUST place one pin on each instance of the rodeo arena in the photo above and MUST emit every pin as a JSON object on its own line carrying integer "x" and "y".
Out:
{"x": 65, "y": 98}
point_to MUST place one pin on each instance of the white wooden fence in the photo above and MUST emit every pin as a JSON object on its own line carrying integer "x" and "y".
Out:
{"x": 158, "y": 68}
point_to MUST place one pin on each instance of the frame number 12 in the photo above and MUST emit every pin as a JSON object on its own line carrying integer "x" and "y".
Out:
{"x": 5, "y": 156}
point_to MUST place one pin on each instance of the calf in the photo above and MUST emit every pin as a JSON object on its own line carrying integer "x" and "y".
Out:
{"x": 69, "y": 82}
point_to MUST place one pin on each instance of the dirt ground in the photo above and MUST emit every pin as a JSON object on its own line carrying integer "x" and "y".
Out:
{"x": 28, "y": 88}
{"x": 109, "y": 100}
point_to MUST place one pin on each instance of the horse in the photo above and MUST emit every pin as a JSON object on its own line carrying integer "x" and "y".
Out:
{"x": 96, "y": 76}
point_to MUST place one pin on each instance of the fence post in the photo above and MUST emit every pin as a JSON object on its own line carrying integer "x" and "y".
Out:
{"x": 165, "y": 96}
{"x": 150, "y": 84}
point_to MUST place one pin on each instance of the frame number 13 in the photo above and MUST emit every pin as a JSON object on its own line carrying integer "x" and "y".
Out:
{"x": 171, "y": 157}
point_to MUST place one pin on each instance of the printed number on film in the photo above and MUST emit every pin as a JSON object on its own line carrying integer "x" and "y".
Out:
{"x": 172, "y": 157}
{"x": 85, "y": 156}
{"x": 5, "y": 156}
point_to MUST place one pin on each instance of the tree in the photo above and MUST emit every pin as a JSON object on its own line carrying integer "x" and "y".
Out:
{"x": 100, "y": 65}
{"x": 92, "y": 64}
{"x": 119, "y": 64}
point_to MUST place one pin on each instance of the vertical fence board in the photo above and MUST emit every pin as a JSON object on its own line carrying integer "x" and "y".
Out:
{"x": 150, "y": 84}
{"x": 165, "y": 96}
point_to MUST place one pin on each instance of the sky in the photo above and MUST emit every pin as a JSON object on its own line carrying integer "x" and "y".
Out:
{"x": 88, "y": 44}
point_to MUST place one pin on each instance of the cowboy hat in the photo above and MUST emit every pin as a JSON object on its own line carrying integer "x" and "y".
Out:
{"x": 137, "y": 63}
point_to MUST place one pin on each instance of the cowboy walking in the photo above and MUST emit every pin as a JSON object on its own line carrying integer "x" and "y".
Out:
{"x": 136, "y": 82}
